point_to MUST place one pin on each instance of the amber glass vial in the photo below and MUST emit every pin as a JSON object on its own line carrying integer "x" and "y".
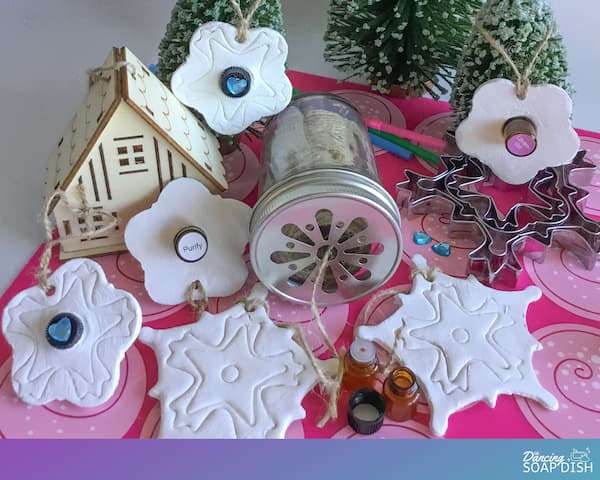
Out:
{"x": 360, "y": 366}
{"x": 401, "y": 393}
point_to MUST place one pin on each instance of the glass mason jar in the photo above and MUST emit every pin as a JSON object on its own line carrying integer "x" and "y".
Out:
{"x": 320, "y": 192}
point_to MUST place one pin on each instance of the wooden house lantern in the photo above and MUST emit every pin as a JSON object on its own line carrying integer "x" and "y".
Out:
{"x": 129, "y": 139}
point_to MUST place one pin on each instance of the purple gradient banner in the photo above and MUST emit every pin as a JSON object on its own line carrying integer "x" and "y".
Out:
{"x": 315, "y": 459}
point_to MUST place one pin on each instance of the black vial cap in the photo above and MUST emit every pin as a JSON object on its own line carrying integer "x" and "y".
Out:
{"x": 369, "y": 419}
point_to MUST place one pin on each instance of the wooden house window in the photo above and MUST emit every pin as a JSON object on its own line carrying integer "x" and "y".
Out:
{"x": 98, "y": 222}
{"x": 130, "y": 154}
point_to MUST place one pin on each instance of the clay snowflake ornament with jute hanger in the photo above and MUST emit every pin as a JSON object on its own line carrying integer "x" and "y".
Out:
{"x": 68, "y": 343}
{"x": 464, "y": 341}
{"x": 234, "y": 81}
{"x": 234, "y": 374}
{"x": 190, "y": 235}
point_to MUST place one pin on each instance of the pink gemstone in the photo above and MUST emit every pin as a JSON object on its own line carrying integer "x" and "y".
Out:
{"x": 521, "y": 145}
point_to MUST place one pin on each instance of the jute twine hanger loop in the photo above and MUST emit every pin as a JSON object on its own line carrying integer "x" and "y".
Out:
{"x": 426, "y": 272}
{"x": 522, "y": 77}
{"x": 196, "y": 297}
{"x": 97, "y": 74}
{"x": 242, "y": 22}
{"x": 330, "y": 383}
{"x": 86, "y": 213}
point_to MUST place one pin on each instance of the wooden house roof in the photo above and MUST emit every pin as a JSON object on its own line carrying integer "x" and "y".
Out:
{"x": 131, "y": 82}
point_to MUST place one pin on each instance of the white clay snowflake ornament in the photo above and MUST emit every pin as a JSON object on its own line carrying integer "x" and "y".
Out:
{"x": 68, "y": 345}
{"x": 464, "y": 341}
{"x": 233, "y": 84}
{"x": 230, "y": 375}
{"x": 516, "y": 137}
{"x": 190, "y": 235}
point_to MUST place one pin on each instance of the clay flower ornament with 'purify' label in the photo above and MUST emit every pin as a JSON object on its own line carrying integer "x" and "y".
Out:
{"x": 190, "y": 235}
{"x": 233, "y": 84}
{"x": 68, "y": 345}
{"x": 516, "y": 137}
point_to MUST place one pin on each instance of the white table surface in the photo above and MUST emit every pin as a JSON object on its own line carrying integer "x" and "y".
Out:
{"x": 47, "y": 45}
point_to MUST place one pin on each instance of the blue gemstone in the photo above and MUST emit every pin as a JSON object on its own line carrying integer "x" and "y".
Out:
{"x": 237, "y": 86}
{"x": 61, "y": 330}
{"x": 64, "y": 331}
{"x": 421, "y": 238}
{"x": 442, "y": 249}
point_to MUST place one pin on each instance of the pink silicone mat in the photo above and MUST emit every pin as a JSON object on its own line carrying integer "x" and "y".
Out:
{"x": 566, "y": 320}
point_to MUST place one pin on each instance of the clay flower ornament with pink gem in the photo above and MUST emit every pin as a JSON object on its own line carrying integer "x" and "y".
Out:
{"x": 231, "y": 83}
{"x": 68, "y": 345}
{"x": 516, "y": 137}
{"x": 190, "y": 235}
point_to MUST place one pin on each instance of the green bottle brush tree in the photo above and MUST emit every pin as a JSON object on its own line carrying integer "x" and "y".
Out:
{"x": 188, "y": 15}
{"x": 520, "y": 26}
{"x": 414, "y": 44}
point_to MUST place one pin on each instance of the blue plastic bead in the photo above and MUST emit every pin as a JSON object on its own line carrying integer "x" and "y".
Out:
{"x": 64, "y": 331}
{"x": 61, "y": 330}
{"x": 421, "y": 238}
{"x": 236, "y": 82}
{"x": 442, "y": 249}
{"x": 236, "y": 86}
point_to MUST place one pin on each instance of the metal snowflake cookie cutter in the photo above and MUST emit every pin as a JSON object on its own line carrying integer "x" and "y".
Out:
{"x": 461, "y": 186}
{"x": 568, "y": 227}
{"x": 475, "y": 215}
{"x": 575, "y": 232}
{"x": 503, "y": 237}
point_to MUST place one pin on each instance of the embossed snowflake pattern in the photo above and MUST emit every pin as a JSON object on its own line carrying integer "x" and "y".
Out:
{"x": 230, "y": 375}
{"x": 464, "y": 341}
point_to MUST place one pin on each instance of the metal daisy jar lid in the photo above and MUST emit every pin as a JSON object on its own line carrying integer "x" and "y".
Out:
{"x": 320, "y": 192}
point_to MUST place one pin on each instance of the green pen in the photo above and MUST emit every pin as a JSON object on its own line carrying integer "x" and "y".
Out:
{"x": 427, "y": 155}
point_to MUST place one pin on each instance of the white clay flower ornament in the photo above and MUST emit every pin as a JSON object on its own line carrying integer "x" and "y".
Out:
{"x": 190, "y": 235}
{"x": 516, "y": 157}
{"x": 233, "y": 84}
{"x": 68, "y": 345}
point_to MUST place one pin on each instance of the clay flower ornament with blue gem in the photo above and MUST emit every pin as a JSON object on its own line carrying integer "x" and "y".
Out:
{"x": 68, "y": 345}
{"x": 190, "y": 236}
{"x": 234, "y": 83}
